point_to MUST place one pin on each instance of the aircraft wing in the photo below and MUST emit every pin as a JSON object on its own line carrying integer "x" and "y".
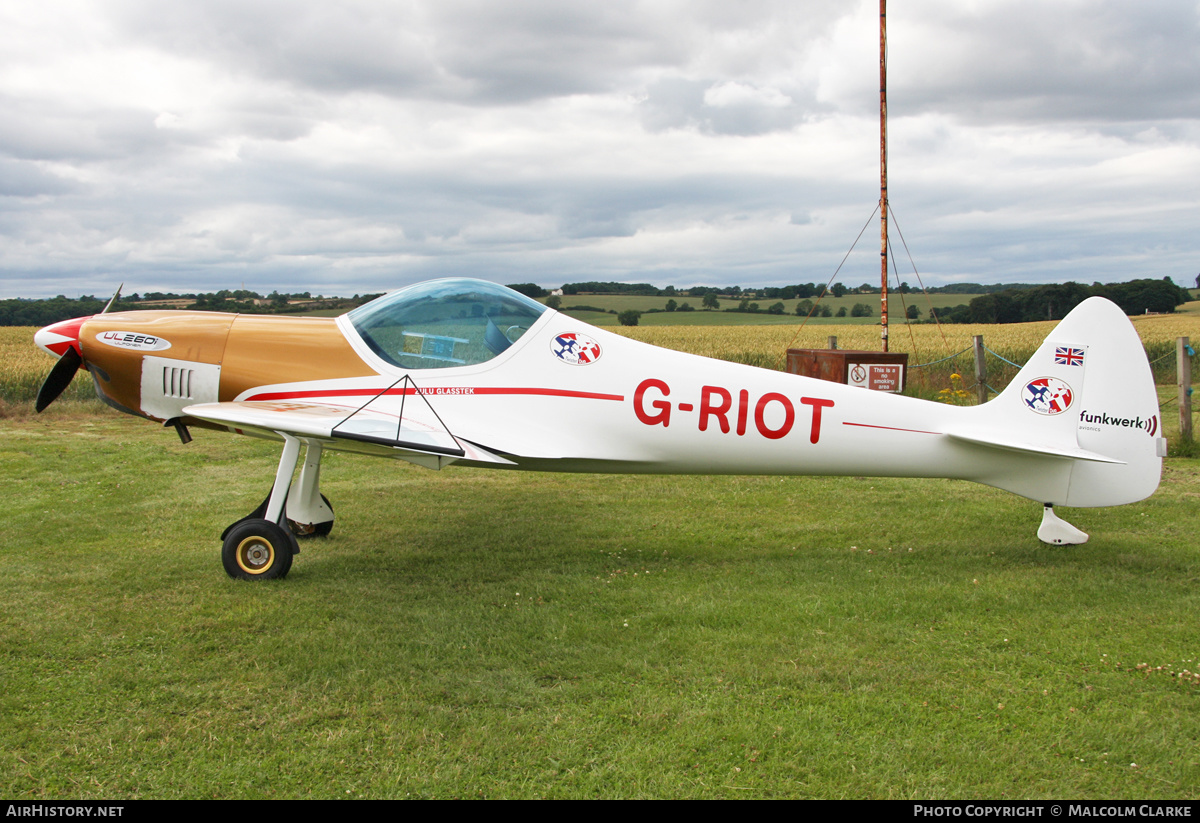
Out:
{"x": 349, "y": 428}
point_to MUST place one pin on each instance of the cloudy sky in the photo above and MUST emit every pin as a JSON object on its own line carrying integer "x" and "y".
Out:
{"x": 342, "y": 146}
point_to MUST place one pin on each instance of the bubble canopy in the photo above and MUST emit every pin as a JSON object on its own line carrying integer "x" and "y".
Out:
{"x": 445, "y": 323}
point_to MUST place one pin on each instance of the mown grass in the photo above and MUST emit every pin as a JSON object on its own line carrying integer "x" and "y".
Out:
{"x": 487, "y": 634}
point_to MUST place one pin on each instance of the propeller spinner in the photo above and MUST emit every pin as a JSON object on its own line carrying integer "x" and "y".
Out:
{"x": 62, "y": 339}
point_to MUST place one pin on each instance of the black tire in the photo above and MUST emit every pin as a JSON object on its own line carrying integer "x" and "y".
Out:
{"x": 304, "y": 532}
{"x": 257, "y": 550}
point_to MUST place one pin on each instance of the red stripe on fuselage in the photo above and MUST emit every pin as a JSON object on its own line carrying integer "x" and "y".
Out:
{"x": 439, "y": 391}
{"x": 888, "y": 428}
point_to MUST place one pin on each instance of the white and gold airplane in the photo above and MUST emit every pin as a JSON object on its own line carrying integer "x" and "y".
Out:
{"x": 469, "y": 372}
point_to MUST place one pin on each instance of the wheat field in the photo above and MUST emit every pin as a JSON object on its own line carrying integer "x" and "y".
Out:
{"x": 766, "y": 346}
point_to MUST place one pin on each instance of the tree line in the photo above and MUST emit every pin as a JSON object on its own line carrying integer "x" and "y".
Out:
{"x": 1052, "y": 302}
{"x": 801, "y": 290}
{"x": 1011, "y": 303}
{"x": 24, "y": 312}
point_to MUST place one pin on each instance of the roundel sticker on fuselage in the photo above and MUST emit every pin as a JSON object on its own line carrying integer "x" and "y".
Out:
{"x": 1047, "y": 395}
{"x": 574, "y": 348}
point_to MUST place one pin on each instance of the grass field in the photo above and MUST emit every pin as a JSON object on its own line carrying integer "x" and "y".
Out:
{"x": 486, "y": 634}
{"x": 473, "y": 633}
{"x": 700, "y": 317}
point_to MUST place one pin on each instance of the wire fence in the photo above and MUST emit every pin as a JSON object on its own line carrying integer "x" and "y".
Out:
{"x": 955, "y": 373}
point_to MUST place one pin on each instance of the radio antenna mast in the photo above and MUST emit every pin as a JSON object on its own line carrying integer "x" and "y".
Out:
{"x": 883, "y": 195}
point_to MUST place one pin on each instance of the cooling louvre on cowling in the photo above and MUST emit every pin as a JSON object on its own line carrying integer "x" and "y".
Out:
{"x": 169, "y": 385}
{"x": 177, "y": 382}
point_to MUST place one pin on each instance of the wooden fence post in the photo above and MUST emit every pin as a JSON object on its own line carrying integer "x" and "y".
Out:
{"x": 833, "y": 341}
{"x": 980, "y": 371}
{"x": 1183, "y": 370}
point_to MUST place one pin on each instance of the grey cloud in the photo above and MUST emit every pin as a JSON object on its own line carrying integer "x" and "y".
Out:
{"x": 327, "y": 46}
{"x": 519, "y": 51}
{"x": 23, "y": 179}
{"x": 39, "y": 130}
{"x": 673, "y": 103}
{"x": 221, "y": 185}
{"x": 464, "y": 50}
{"x": 1108, "y": 60}
{"x": 476, "y": 51}
{"x": 677, "y": 103}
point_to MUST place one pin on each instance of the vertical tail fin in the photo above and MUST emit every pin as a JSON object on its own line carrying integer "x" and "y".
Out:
{"x": 1086, "y": 403}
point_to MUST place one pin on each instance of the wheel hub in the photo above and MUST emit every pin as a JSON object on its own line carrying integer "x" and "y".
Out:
{"x": 254, "y": 555}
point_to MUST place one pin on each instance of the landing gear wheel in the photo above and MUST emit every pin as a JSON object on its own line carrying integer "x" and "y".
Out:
{"x": 303, "y": 531}
{"x": 257, "y": 550}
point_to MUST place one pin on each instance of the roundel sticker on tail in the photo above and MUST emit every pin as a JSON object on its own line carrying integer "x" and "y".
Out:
{"x": 576, "y": 349}
{"x": 1047, "y": 395}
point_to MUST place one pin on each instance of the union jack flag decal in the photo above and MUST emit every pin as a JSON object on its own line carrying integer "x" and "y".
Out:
{"x": 1068, "y": 356}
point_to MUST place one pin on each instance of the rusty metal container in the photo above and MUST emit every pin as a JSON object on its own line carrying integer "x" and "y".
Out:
{"x": 874, "y": 370}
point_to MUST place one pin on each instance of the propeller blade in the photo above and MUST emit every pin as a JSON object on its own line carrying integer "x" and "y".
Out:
{"x": 59, "y": 378}
{"x": 114, "y": 299}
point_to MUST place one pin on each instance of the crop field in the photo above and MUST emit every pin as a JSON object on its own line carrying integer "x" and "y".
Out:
{"x": 766, "y": 346}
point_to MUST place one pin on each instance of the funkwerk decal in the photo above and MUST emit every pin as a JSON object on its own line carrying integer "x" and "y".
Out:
{"x": 1148, "y": 425}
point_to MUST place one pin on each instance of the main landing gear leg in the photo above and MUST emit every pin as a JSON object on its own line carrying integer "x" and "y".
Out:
{"x": 1058, "y": 532}
{"x": 253, "y": 548}
{"x": 260, "y": 547}
{"x": 309, "y": 512}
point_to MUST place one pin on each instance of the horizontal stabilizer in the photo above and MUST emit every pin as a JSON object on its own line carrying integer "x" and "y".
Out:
{"x": 1001, "y": 440}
